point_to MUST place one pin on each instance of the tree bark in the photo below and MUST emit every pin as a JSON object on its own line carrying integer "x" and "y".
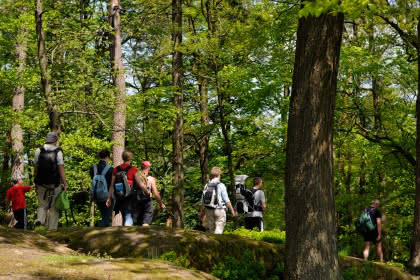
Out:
{"x": 178, "y": 135}
{"x": 18, "y": 104}
{"x": 311, "y": 251}
{"x": 45, "y": 71}
{"x": 226, "y": 131}
{"x": 204, "y": 141}
{"x": 118, "y": 127}
{"x": 415, "y": 243}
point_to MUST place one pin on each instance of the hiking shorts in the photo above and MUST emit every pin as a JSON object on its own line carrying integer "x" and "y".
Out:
{"x": 144, "y": 212}
{"x": 371, "y": 236}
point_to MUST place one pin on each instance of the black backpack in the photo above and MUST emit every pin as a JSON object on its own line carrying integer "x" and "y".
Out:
{"x": 210, "y": 198}
{"x": 122, "y": 187}
{"x": 245, "y": 200}
{"x": 47, "y": 170}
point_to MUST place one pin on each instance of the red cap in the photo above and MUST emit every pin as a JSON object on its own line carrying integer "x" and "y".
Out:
{"x": 146, "y": 163}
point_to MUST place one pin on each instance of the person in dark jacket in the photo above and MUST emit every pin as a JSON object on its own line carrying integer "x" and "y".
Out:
{"x": 106, "y": 212}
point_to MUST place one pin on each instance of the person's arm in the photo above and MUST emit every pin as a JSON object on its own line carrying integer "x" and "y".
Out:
{"x": 263, "y": 203}
{"x": 62, "y": 176}
{"x": 26, "y": 188}
{"x": 156, "y": 193}
{"x": 232, "y": 211}
{"x": 36, "y": 156}
{"x": 111, "y": 191}
{"x": 378, "y": 223}
{"x": 226, "y": 199}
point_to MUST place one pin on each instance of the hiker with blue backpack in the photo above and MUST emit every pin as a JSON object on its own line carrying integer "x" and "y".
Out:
{"x": 101, "y": 174}
{"x": 369, "y": 225}
{"x": 125, "y": 184}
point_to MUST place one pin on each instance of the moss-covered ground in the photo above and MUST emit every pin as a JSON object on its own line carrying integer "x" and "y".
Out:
{"x": 137, "y": 253}
{"x": 27, "y": 255}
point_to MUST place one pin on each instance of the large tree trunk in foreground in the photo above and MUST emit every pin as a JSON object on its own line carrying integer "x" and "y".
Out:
{"x": 118, "y": 127}
{"x": 415, "y": 244}
{"x": 204, "y": 141}
{"x": 18, "y": 104}
{"x": 311, "y": 251}
{"x": 44, "y": 70}
{"x": 178, "y": 135}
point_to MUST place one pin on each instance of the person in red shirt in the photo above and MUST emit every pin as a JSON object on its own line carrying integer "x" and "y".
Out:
{"x": 16, "y": 195}
{"x": 125, "y": 205}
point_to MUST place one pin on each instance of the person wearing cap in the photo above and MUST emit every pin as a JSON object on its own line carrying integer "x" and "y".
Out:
{"x": 49, "y": 175}
{"x": 144, "y": 209}
{"x": 16, "y": 195}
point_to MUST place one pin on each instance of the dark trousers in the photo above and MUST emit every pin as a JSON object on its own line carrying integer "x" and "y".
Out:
{"x": 144, "y": 212}
{"x": 254, "y": 222}
{"x": 20, "y": 216}
{"x": 106, "y": 213}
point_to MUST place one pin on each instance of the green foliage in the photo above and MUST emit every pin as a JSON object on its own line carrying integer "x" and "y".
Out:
{"x": 172, "y": 257}
{"x": 365, "y": 272}
{"x": 271, "y": 236}
{"x": 244, "y": 268}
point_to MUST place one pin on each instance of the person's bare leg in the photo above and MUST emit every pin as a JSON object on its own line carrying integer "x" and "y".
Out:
{"x": 379, "y": 251}
{"x": 366, "y": 250}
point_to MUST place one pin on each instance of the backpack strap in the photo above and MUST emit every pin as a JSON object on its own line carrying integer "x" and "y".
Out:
{"x": 95, "y": 170}
{"x": 127, "y": 169}
{"x": 105, "y": 170}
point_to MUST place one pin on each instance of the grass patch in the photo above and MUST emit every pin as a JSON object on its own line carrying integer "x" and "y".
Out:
{"x": 272, "y": 236}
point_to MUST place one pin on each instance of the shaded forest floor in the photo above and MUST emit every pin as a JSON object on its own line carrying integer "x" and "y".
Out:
{"x": 136, "y": 253}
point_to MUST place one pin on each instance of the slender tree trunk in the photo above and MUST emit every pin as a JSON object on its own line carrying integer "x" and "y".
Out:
{"x": 226, "y": 131}
{"x": 204, "y": 141}
{"x": 311, "y": 251}
{"x": 45, "y": 71}
{"x": 347, "y": 183}
{"x": 178, "y": 135}
{"x": 6, "y": 153}
{"x": 415, "y": 244}
{"x": 18, "y": 104}
{"x": 118, "y": 127}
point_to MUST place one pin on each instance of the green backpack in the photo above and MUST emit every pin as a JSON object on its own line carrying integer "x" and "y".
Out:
{"x": 364, "y": 223}
{"x": 62, "y": 202}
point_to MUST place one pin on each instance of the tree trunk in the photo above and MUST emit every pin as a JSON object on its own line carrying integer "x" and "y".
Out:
{"x": 118, "y": 127}
{"x": 43, "y": 65}
{"x": 226, "y": 131}
{"x": 415, "y": 244}
{"x": 204, "y": 141}
{"x": 18, "y": 104}
{"x": 311, "y": 250}
{"x": 178, "y": 135}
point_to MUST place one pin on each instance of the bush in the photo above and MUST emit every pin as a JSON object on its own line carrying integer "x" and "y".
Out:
{"x": 272, "y": 236}
{"x": 245, "y": 268}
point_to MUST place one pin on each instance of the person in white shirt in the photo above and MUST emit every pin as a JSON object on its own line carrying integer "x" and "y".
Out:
{"x": 216, "y": 217}
{"x": 255, "y": 219}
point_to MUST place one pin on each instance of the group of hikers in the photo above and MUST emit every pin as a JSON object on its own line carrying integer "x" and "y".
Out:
{"x": 122, "y": 194}
{"x": 126, "y": 192}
